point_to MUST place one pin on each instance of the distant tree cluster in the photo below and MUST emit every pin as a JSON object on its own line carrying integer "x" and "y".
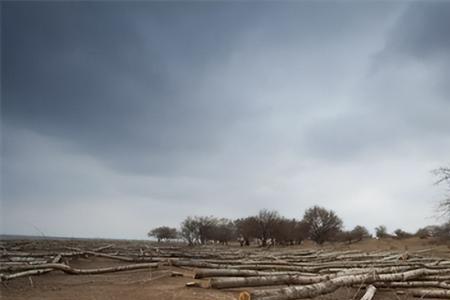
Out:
{"x": 266, "y": 228}
{"x": 269, "y": 228}
{"x": 441, "y": 232}
{"x": 163, "y": 233}
{"x": 357, "y": 234}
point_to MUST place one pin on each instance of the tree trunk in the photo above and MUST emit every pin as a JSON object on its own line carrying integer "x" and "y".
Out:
{"x": 370, "y": 292}
{"x": 232, "y": 282}
{"x": 329, "y": 286}
{"x": 431, "y": 294}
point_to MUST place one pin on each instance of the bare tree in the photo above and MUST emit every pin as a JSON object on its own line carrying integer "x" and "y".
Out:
{"x": 301, "y": 231}
{"x": 266, "y": 221}
{"x": 443, "y": 175}
{"x": 189, "y": 230}
{"x": 443, "y": 232}
{"x": 359, "y": 233}
{"x": 163, "y": 233}
{"x": 223, "y": 231}
{"x": 246, "y": 229}
{"x": 401, "y": 234}
{"x": 381, "y": 232}
{"x": 284, "y": 231}
{"x": 323, "y": 224}
{"x": 206, "y": 226}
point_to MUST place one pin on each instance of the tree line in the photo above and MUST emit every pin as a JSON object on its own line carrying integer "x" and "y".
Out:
{"x": 268, "y": 227}
{"x": 318, "y": 224}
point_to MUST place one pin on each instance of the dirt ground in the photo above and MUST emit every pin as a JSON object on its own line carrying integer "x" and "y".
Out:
{"x": 158, "y": 284}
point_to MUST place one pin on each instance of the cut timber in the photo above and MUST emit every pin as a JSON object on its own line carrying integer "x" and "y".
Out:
{"x": 5, "y": 277}
{"x": 74, "y": 271}
{"x": 431, "y": 294}
{"x": 329, "y": 286}
{"x": 239, "y": 273}
{"x": 414, "y": 284}
{"x": 370, "y": 292}
{"x": 232, "y": 282}
{"x": 192, "y": 284}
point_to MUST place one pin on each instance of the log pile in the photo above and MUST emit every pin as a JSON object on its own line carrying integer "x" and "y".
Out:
{"x": 301, "y": 274}
{"x": 257, "y": 273}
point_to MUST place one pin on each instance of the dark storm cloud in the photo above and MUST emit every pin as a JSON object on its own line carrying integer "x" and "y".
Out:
{"x": 124, "y": 78}
{"x": 152, "y": 111}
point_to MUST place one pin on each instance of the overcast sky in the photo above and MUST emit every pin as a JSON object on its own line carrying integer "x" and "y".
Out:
{"x": 118, "y": 117}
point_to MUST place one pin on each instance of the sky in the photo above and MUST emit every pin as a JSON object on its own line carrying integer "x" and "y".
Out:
{"x": 117, "y": 117}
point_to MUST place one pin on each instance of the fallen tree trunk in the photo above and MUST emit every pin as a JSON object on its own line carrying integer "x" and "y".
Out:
{"x": 5, "y": 277}
{"x": 431, "y": 294}
{"x": 370, "y": 292}
{"x": 43, "y": 268}
{"x": 203, "y": 273}
{"x": 232, "y": 282}
{"x": 414, "y": 284}
{"x": 325, "y": 287}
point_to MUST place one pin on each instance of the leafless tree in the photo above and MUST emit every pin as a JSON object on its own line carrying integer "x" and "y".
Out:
{"x": 323, "y": 224}
{"x": 381, "y": 232}
{"x": 359, "y": 233}
{"x": 246, "y": 229}
{"x": 443, "y": 175}
{"x": 443, "y": 232}
{"x": 266, "y": 221}
{"x": 401, "y": 234}
{"x": 355, "y": 235}
{"x": 189, "y": 230}
{"x": 223, "y": 231}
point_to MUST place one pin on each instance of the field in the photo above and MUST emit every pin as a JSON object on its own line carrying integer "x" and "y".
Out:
{"x": 160, "y": 271}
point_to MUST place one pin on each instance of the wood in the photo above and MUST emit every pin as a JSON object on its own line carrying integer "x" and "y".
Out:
{"x": 329, "y": 286}
{"x": 192, "y": 284}
{"x": 204, "y": 273}
{"x": 74, "y": 271}
{"x": 370, "y": 292}
{"x": 431, "y": 294}
{"x": 232, "y": 282}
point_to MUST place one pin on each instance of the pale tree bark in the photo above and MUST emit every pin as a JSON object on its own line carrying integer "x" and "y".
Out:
{"x": 43, "y": 268}
{"x": 370, "y": 292}
{"x": 329, "y": 286}
{"x": 445, "y": 294}
{"x": 232, "y": 282}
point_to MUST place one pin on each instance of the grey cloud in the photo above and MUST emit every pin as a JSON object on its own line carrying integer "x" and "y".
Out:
{"x": 162, "y": 110}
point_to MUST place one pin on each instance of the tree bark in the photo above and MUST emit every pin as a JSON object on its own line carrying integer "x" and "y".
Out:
{"x": 329, "y": 286}
{"x": 370, "y": 292}
{"x": 431, "y": 294}
{"x": 75, "y": 271}
{"x": 232, "y": 282}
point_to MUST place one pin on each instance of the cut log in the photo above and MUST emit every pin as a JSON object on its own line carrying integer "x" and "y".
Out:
{"x": 233, "y": 282}
{"x": 103, "y": 248}
{"x": 176, "y": 274}
{"x": 192, "y": 284}
{"x": 414, "y": 284}
{"x": 204, "y": 273}
{"x": 370, "y": 292}
{"x": 325, "y": 287}
{"x": 75, "y": 271}
{"x": 431, "y": 294}
{"x": 5, "y": 277}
